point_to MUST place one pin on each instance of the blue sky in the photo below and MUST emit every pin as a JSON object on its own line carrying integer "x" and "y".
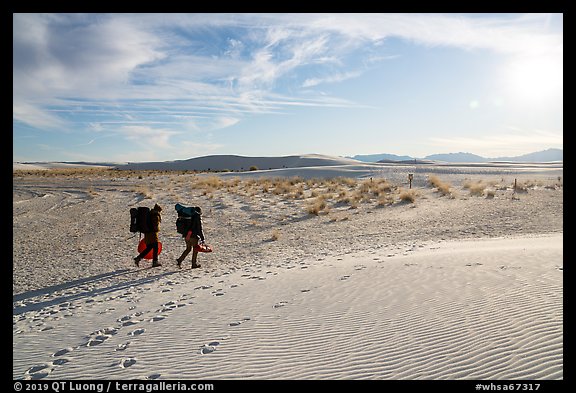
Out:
{"x": 161, "y": 87}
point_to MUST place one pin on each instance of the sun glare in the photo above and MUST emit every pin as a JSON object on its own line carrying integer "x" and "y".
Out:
{"x": 534, "y": 79}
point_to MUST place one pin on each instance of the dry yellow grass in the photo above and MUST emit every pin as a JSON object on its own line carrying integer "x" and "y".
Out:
{"x": 407, "y": 195}
{"x": 318, "y": 195}
{"x": 476, "y": 188}
{"x": 442, "y": 187}
{"x": 317, "y": 206}
{"x": 275, "y": 235}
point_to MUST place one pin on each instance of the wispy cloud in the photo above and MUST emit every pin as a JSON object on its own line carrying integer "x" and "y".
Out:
{"x": 155, "y": 76}
{"x": 143, "y": 135}
{"x": 34, "y": 115}
{"x": 335, "y": 78}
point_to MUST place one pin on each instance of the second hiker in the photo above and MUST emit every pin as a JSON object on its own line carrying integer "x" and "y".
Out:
{"x": 192, "y": 233}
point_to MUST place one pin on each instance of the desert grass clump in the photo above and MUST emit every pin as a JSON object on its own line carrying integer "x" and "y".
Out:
{"x": 441, "y": 186}
{"x": 347, "y": 182}
{"x": 520, "y": 187}
{"x": 298, "y": 192}
{"x": 317, "y": 206}
{"x": 408, "y": 196}
{"x": 382, "y": 187}
{"x": 476, "y": 188}
{"x": 275, "y": 235}
{"x": 144, "y": 190}
{"x": 283, "y": 187}
{"x": 349, "y": 198}
{"x": 207, "y": 185}
{"x": 385, "y": 200}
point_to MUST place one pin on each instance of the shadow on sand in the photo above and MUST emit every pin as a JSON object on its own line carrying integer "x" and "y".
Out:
{"x": 76, "y": 293}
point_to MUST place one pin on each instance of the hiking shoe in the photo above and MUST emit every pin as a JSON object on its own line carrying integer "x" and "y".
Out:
{"x": 137, "y": 261}
{"x": 156, "y": 264}
{"x": 194, "y": 266}
{"x": 179, "y": 264}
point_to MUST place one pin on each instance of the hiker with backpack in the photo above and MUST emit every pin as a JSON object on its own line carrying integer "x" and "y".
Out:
{"x": 151, "y": 237}
{"x": 189, "y": 225}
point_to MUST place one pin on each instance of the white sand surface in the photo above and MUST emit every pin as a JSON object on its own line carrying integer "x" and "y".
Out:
{"x": 461, "y": 287}
{"x": 484, "y": 309}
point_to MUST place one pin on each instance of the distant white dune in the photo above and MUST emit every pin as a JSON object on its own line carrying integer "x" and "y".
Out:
{"x": 240, "y": 163}
{"x": 32, "y": 166}
{"x": 325, "y": 171}
{"x": 313, "y": 166}
{"x": 17, "y": 166}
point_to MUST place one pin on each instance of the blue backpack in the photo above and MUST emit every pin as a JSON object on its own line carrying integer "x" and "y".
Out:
{"x": 185, "y": 217}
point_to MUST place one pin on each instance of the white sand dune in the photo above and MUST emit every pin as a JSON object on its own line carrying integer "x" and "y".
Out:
{"x": 241, "y": 163}
{"x": 35, "y": 166}
{"x": 459, "y": 288}
{"x": 487, "y": 309}
{"x": 322, "y": 165}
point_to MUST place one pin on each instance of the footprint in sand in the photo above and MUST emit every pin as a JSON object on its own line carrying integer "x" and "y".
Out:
{"x": 346, "y": 277}
{"x": 99, "y": 336}
{"x": 186, "y": 296}
{"x": 137, "y": 332}
{"x": 108, "y": 330}
{"x": 153, "y": 376}
{"x": 157, "y": 318}
{"x": 236, "y": 323}
{"x": 38, "y": 372}
{"x": 62, "y": 352}
{"x": 127, "y": 362}
{"x": 209, "y": 348}
{"x": 122, "y": 347}
{"x": 97, "y": 340}
{"x": 60, "y": 362}
{"x": 171, "y": 305}
{"x": 280, "y": 304}
{"x": 218, "y": 292}
{"x": 106, "y": 310}
{"x": 130, "y": 322}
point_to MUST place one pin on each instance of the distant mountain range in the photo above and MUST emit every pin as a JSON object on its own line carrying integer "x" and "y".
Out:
{"x": 540, "y": 156}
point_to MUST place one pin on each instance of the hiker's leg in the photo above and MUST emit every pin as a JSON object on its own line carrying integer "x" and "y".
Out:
{"x": 155, "y": 255}
{"x": 146, "y": 251}
{"x": 155, "y": 252}
{"x": 194, "y": 242}
{"x": 186, "y": 251}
